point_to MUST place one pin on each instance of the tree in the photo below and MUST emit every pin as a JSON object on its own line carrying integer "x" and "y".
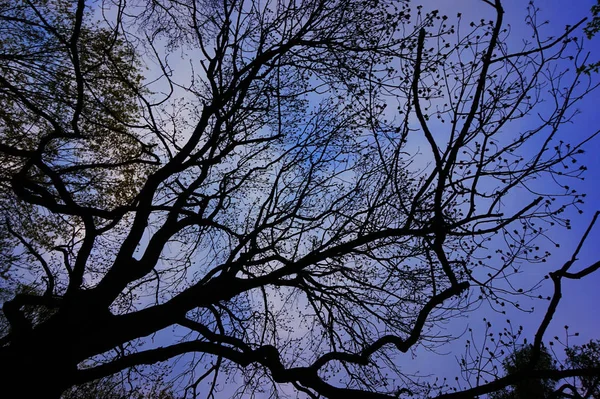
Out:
{"x": 591, "y": 29}
{"x": 115, "y": 388}
{"x": 108, "y": 388}
{"x": 583, "y": 356}
{"x": 520, "y": 360}
{"x": 330, "y": 181}
{"x": 577, "y": 357}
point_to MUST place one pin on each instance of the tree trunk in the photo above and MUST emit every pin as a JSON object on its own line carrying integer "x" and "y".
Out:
{"x": 36, "y": 368}
{"x": 42, "y": 362}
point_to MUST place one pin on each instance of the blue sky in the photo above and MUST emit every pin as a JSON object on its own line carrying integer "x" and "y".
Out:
{"x": 580, "y": 298}
{"x": 579, "y": 306}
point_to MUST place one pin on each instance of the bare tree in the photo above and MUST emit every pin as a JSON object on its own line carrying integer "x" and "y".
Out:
{"x": 304, "y": 202}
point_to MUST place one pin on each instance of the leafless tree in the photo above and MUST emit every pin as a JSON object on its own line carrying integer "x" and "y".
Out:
{"x": 302, "y": 191}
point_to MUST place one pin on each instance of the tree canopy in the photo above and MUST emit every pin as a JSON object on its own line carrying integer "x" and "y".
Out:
{"x": 295, "y": 194}
{"x": 576, "y": 387}
{"x": 520, "y": 360}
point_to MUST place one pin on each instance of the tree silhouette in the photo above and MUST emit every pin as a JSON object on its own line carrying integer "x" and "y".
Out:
{"x": 304, "y": 202}
{"x": 579, "y": 356}
{"x": 114, "y": 388}
{"x": 591, "y": 29}
{"x": 583, "y": 356}
{"x": 520, "y": 360}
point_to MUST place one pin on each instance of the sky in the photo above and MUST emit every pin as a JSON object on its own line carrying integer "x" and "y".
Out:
{"x": 581, "y": 298}
{"x": 578, "y": 307}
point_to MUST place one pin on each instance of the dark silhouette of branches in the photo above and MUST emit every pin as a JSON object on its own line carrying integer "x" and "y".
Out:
{"x": 303, "y": 199}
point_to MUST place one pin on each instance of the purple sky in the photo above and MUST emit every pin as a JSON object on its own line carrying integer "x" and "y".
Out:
{"x": 581, "y": 299}
{"x": 578, "y": 308}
